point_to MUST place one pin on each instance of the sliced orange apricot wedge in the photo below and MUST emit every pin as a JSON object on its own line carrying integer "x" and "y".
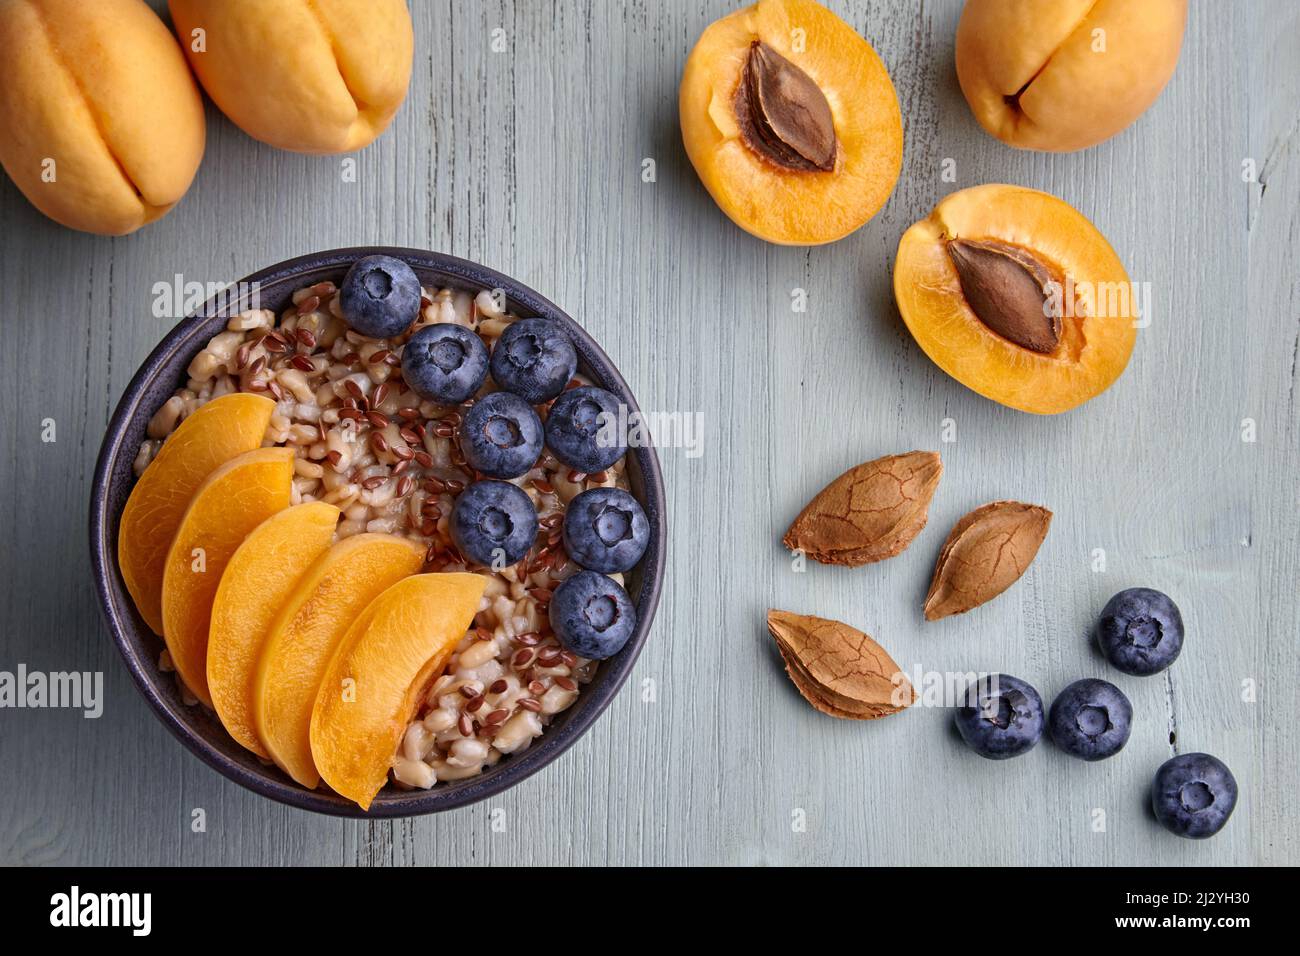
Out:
{"x": 373, "y": 683}
{"x": 230, "y": 503}
{"x": 325, "y": 602}
{"x": 791, "y": 122}
{"x": 1016, "y": 295}
{"x": 257, "y": 583}
{"x": 210, "y": 437}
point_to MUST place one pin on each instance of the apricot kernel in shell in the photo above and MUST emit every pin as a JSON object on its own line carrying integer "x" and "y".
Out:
{"x": 783, "y": 115}
{"x": 1009, "y": 290}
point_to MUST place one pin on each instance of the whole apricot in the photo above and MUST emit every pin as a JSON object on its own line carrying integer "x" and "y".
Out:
{"x": 791, "y": 122}
{"x": 101, "y": 123}
{"x": 1061, "y": 75}
{"x": 312, "y": 76}
{"x": 1018, "y": 296}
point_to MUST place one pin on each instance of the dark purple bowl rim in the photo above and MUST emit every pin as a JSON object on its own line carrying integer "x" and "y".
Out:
{"x": 389, "y": 803}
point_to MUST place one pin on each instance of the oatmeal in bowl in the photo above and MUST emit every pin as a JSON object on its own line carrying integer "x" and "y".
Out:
{"x": 432, "y": 429}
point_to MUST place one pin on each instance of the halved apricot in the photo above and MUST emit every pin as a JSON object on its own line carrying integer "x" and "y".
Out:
{"x": 210, "y": 437}
{"x": 257, "y": 582}
{"x": 325, "y": 602}
{"x": 373, "y": 683}
{"x": 230, "y": 503}
{"x": 1017, "y": 296}
{"x": 791, "y": 122}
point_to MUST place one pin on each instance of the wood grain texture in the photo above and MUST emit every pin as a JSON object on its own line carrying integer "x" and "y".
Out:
{"x": 530, "y": 161}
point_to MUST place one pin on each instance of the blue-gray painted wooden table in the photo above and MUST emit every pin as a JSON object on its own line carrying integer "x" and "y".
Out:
{"x": 530, "y": 160}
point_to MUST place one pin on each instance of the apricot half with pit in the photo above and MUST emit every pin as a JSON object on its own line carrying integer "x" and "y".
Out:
{"x": 791, "y": 122}
{"x": 257, "y": 582}
{"x": 230, "y": 503}
{"x": 1015, "y": 294}
{"x": 1062, "y": 75}
{"x": 374, "y": 681}
{"x": 302, "y": 639}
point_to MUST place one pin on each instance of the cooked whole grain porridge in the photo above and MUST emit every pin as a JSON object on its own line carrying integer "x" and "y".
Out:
{"x": 391, "y": 462}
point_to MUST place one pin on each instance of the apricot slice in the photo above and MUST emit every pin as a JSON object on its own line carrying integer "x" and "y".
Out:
{"x": 1017, "y": 296}
{"x": 230, "y": 503}
{"x": 401, "y": 641}
{"x": 791, "y": 122}
{"x": 257, "y": 582}
{"x": 312, "y": 622}
{"x": 1062, "y": 75}
{"x": 211, "y": 436}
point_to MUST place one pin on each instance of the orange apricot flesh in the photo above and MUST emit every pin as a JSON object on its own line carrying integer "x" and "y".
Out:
{"x": 302, "y": 639}
{"x": 257, "y": 582}
{"x": 230, "y": 503}
{"x": 374, "y": 681}
{"x": 215, "y": 433}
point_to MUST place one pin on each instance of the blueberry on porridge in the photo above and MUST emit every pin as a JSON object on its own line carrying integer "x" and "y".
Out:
{"x": 412, "y": 478}
{"x": 534, "y": 359}
{"x": 606, "y": 530}
{"x": 380, "y": 296}
{"x": 494, "y": 523}
{"x": 592, "y": 615}
{"x": 445, "y": 363}
{"x": 501, "y": 435}
{"x": 578, "y": 432}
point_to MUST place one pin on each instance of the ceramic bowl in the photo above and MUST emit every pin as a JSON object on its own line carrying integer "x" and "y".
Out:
{"x": 198, "y": 728}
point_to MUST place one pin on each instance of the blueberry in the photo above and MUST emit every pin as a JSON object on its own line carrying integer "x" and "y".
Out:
{"x": 501, "y": 435}
{"x": 380, "y": 297}
{"x": 1001, "y": 717}
{"x": 1140, "y": 631}
{"x": 582, "y": 429}
{"x": 534, "y": 359}
{"x": 1193, "y": 795}
{"x": 1091, "y": 719}
{"x": 605, "y": 529}
{"x": 592, "y": 616}
{"x": 445, "y": 363}
{"x": 494, "y": 523}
